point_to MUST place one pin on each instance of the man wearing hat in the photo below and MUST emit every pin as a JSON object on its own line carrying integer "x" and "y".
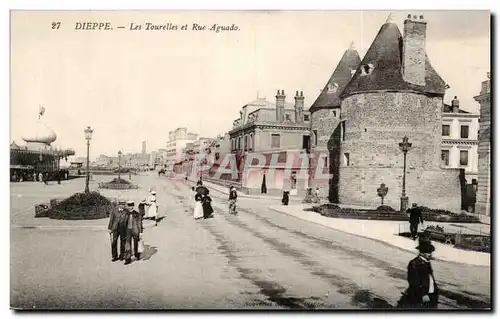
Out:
{"x": 142, "y": 207}
{"x": 415, "y": 217}
{"x": 134, "y": 232}
{"x": 422, "y": 291}
{"x": 232, "y": 200}
{"x": 117, "y": 228}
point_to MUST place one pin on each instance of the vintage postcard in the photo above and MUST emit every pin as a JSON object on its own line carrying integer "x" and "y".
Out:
{"x": 250, "y": 160}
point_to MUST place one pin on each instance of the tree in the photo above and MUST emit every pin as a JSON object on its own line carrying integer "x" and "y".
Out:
{"x": 382, "y": 192}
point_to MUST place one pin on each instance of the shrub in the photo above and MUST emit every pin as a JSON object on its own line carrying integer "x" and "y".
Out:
{"x": 475, "y": 243}
{"x": 119, "y": 181}
{"x": 82, "y": 206}
{"x": 385, "y": 208}
{"x": 443, "y": 218}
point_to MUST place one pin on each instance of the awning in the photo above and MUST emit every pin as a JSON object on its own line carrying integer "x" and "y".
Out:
{"x": 21, "y": 166}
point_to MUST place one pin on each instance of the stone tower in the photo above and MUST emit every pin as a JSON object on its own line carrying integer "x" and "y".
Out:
{"x": 395, "y": 92}
{"x": 325, "y": 115}
{"x": 483, "y": 202}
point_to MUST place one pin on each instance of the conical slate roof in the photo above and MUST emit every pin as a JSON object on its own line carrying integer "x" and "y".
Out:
{"x": 386, "y": 56}
{"x": 329, "y": 97}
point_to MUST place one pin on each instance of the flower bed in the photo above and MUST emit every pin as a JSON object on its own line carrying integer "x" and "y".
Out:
{"x": 388, "y": 213}
{"x": 442, "y": 215}
{"x": 118, "y": 183}
{"x": 77, "y": 207}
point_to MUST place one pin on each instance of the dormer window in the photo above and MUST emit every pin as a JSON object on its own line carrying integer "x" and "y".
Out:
{"x": 366, "y": 69}
{"x": 352, "y": 72}
{"x": 333, "y": 87}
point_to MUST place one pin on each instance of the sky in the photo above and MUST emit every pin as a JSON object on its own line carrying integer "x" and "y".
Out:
{"x": 137, "y": 85}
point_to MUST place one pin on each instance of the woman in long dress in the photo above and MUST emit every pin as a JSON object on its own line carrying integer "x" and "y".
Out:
{"x": 206, "y": 202}
{"x": 198, "y": 207}
{"x": 153, "y": 208}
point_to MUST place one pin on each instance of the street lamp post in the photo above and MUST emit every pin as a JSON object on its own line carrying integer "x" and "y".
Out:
{"x": 405, "y": 146}
{"x": 119, "y": 164}
{"x": 88, "y": 136}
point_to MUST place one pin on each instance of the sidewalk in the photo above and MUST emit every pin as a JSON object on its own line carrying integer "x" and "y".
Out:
{"x": 386, "y": 231}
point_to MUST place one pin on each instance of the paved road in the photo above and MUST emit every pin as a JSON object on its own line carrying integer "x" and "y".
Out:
{"x": 257, "y": 259}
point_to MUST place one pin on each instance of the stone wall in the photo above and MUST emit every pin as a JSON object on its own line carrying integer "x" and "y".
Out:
{"x": 324, "y": 122}
{"x": 375, "y": 124}
{"x": 483, "y": 205}
{"x": 439, "y": 189}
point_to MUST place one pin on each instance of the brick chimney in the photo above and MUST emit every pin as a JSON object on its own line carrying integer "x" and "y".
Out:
{"x": 280, "y": 106}
{"x": 415, "y": 29}
{"x": 299, "y": 107}
{"x": 455, "y": 105}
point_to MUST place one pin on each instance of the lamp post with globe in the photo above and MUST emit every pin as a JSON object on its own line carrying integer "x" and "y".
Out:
{"x": 119, "y": 164}
{"x": 405, "y": 146}
{"x": 88, "y": 136}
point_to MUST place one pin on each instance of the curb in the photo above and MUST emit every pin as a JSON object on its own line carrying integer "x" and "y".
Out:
{"x": 150, "y": 224}
{"x": 379, "y": 241}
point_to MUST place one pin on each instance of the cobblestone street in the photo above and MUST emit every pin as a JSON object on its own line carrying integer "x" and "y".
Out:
{"x": 257, "y": 259}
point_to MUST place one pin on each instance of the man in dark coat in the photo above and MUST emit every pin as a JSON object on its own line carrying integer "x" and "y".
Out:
{"x": 285, "y": 198}
{"x": 233, "y": 195}
{"x": 117, "y": 227}
{"x": 415, "y": 213}
{"x": 422, "y": 291}
{"x": 206, "y": 203}
{"x": 134, "y": 232}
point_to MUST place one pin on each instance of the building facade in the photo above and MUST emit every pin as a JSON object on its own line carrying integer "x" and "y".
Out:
{"x": 325, "y": 118}
{"x": 272, "y": 131}
{"x": 395, "y": 92}
{"x": 177, "y": 141}
{"x": 459, "y": 140}
{"x": 483, "y": 205}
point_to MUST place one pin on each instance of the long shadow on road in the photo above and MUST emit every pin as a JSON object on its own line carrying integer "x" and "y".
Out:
{"x": 362, "y": 297}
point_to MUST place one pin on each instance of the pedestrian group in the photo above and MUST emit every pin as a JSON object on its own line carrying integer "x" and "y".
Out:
{"x": 126, "y": 226}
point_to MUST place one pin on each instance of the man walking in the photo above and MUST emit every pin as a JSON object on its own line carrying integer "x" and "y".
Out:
{"x": 134, "y": 232}
{"x": 415, "y": 213}
{"x": 232, "y": 200}
{"x": 422, "y": 291}
{"x": 117, "y": 228}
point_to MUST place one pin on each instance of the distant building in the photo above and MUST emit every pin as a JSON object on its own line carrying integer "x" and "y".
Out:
{"x": 143, "y": 147}
{"x": 459, "y": 140}
{"x": 104, "y": 161}
{"x": 484, "y": 150}
{"x": 273, "y": 131}
{"x": 177, "y": 141}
